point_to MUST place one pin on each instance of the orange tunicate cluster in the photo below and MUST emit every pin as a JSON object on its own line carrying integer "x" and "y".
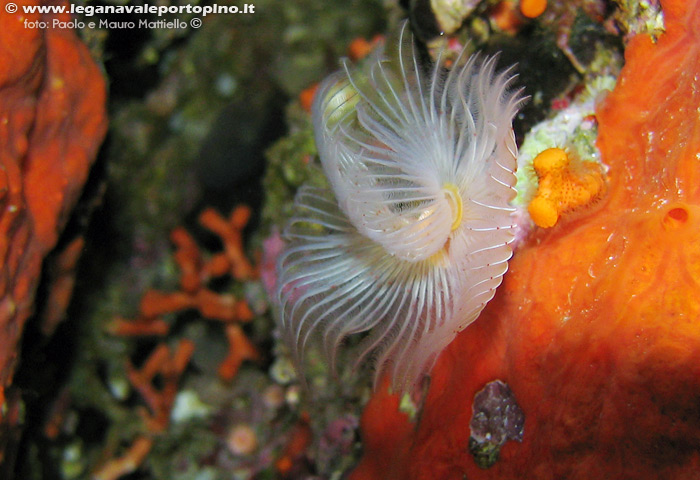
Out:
{"x": 596, "y": 328}
{"x": 52, "y": 121}
{"x": 564, "y": 186}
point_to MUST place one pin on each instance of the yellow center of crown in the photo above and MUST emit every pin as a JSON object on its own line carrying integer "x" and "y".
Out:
{"x": 455, "y": 201}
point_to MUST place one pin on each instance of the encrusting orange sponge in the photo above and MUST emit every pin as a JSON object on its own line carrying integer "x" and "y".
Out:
{"x": 564, "y": 186}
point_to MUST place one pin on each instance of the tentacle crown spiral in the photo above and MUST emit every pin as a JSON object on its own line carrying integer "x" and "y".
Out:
{"x": 412, "y": 238}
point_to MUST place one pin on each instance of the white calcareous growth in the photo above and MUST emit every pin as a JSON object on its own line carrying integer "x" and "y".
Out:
{"x": 412, "y": 238}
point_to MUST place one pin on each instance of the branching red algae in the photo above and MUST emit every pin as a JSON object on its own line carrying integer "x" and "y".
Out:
{"x": 196, "y": 272}
{"x": 159, "y": 401}
{"x": 596, "y": 328}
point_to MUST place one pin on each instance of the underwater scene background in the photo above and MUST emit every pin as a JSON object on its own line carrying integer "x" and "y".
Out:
{"x": 150, "y": 164}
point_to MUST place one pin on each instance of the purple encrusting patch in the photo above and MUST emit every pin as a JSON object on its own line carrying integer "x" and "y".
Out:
{"x": 496, "y": 418}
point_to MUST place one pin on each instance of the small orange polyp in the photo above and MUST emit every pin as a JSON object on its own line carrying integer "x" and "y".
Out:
{"x": 564, "y": 186}
{"x": 533, "y": 8}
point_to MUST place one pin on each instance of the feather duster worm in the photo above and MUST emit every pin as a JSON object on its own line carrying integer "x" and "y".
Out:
{"x": 412, "y": 238}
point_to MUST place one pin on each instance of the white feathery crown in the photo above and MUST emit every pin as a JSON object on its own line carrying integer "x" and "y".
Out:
{"x": 412, "y": 238}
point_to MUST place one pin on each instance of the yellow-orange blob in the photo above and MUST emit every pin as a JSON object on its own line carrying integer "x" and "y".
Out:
{"x": 564, "y": 186}
{"x": 533, "y": 8}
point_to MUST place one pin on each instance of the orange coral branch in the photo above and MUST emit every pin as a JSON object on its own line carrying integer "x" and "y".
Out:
{"x": 240, "y": 349}
{"x": 159, "y": 402}
{"x": 218, "y": 306}
{"x": 138, "y": 327}
{"x": 188, "y": 259}
{"x": 170, "y": 368}
{"x": 195, "y": 273}
{"x": 142, "y": 379}
{"x": 156, "y": 303}
{"x": 217, "y": 266}
{"x": 127, "y": 463}
{"x": 231, "y": 233}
